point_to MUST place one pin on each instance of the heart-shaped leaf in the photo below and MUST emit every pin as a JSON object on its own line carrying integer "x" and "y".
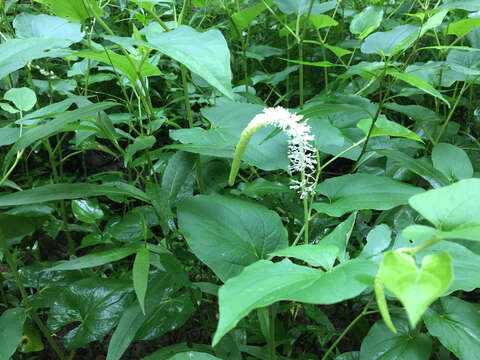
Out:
{"x": 416, "y": 288}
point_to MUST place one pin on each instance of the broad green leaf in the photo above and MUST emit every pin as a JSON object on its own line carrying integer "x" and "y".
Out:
{"x": 390, "y": 42}
{"x": 323, "y": 255}
{"x": 8, "y": 108}
{"x": 454, "y": 210}
{"x": 378, "y": 239}
{"x": 416, "y": 288}
{"x": 46, "y": 26}
{"x": 227, "y": 123}
{"x": 23, "y": 98}
{"x": 340, "y": 236}
{"x": 16, "y": 53}
{"x": 228, "y": 234}
{"x": 418, "y": 83}
{"x": 94, "y": 304}
{"x": 337, "y": 50}
{"x": 381, "y": 344}
{"x": 264, "y": 283}
{"x": 48, "y": 111}
{"x": 87, "y": 211}
{"x": 456, "y": 323}
{"x": 362, "y": 191}
{"x": 50, "y": 128}
{"x": 193, "y": 355}
{"x": 385, "y": 127}
{"x": 140, "y": 143}
{"x": 73, "y": 10}
{"x": 452, "y": 161}
{"x": 421, "y": 167}
{"x": 463, "y": 27}
{"x": 121, "y": 63}
{"x": 206, "y": 54}
{"x": 141, "y": 265}
{"x": 11, "y": 326}
{"x": 368, "y": 20}
{"x": 178, "y": 169}
{"x": 164, "y": 311}
{"x": 70, "y": 191}
{"x": 168, "y": 351}
{"x": 95, "y": 259}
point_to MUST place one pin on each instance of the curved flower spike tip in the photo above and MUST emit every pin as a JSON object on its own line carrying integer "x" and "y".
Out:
{"x": 300, "y": 152}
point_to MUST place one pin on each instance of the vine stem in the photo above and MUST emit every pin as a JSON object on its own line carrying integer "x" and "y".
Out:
{"x": 13, "y": 267}
{"x": 347, "y": 329}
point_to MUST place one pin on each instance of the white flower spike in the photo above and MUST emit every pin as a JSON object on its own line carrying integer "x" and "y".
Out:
{"x": 300, "y": 152}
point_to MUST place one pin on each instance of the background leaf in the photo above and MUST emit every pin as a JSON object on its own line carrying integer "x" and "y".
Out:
{"x": 11, "y": 330}
{"x": 228, "y": 234}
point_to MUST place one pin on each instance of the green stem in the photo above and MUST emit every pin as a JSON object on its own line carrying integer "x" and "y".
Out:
{"x": 347, "y": 329}
{"x": 186, "y": 95}
{"x": 13, "y": 267}
{"x": 271, "y": 341}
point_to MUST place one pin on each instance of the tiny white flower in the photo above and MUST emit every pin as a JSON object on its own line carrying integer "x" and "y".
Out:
{"x": 300, "y": 151}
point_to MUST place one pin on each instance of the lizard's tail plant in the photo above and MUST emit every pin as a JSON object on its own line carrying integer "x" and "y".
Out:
{"x": 300, "y": 152}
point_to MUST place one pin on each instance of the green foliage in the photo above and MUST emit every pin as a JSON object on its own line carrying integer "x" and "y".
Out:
{"x": 122, "y": 235}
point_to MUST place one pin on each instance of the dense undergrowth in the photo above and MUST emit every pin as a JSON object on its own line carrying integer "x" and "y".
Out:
{"x": 249, "y": 179}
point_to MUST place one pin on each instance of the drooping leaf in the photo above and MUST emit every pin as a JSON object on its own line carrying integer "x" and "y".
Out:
{"x": 368, "y": 20}
{"x": 362, "y": 191}
{"x": 206, "y": 54}
{"x": 456, "y": 323}
{"x": 381, "y": 344}
{"x": 228, "y": 234}
{"x": 263, "y": 283}
{"x": 95, "y": 303}
{"x": 11, "y": 325}
{"x": 416, "y": 288}
{"x": 463, "y": 27}
{"x": 452, "y": 161}
{"x": 69, "y": 191}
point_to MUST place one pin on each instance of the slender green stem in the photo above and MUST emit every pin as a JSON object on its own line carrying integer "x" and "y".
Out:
{"x": 13, "y": 268}
{"x": 347, "y": 329}
{"x": 271, "y": 342}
